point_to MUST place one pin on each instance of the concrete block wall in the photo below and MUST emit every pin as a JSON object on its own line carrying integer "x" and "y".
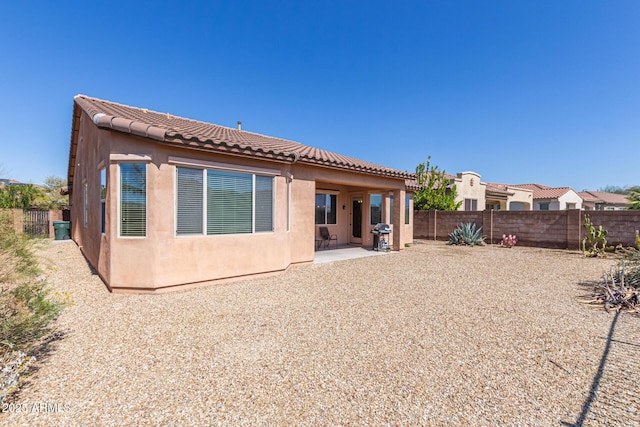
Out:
{"x": 18, "y": 220}
{"x": 547, "y": 229}
{"x": 621, "y": 226}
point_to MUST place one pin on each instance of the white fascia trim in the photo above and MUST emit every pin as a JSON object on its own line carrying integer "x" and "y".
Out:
{"x": 130, "y": 158}
{"x": 224, "y": 166}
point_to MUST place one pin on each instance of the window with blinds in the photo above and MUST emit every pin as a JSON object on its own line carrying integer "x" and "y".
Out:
{"x": 264, "y": 203}
{"x": 133, "y": 199}
{"x": 223, "y": 202}
{"x": 190, "y": 196}
{"x": 229, "y": 202}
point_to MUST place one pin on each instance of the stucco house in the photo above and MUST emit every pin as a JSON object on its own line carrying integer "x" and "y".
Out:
{"x": 160, "y": 202}
{"x": 476, "y": 195}
{"x": 603, "y": 201}
{"x": 547, "y": 198}
{"x": 508, "y": 197}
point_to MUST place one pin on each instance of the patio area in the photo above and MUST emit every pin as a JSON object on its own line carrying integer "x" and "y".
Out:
{"x": 433, "y": 335}
{"x": 343, "y": 253}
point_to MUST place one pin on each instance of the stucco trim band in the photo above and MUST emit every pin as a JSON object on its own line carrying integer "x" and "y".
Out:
{"x": 224, "y": 166}
{"x": 130, "y": 158}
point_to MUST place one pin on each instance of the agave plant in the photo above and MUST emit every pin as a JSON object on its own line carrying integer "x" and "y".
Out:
{"x": 466, "y": 234}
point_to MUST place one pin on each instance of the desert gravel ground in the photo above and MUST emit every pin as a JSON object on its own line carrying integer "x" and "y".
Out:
{"x": 433, "y": 335}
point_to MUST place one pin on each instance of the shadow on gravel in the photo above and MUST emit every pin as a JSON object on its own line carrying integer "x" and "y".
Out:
{"x": 41, "y": 352}
{"x": 586, "y": 407}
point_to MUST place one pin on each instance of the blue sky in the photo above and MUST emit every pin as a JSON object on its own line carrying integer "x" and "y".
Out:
{"x": 518, "y": 91}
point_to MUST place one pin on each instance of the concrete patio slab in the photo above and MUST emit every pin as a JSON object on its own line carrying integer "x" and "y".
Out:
{"x": 345, "y": 253}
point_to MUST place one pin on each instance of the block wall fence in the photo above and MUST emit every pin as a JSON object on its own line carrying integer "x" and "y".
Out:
{"x": 54, "y": 215}
{"x": 545, "y": 229}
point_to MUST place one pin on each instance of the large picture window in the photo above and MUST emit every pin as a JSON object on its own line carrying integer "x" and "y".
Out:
{"x": 133, "y": 199}
{"x": 223, "y": 202}
{"x": 326, "y": 208}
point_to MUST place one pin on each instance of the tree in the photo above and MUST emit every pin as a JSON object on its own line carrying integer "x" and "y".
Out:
{"x": 435, "y": 193}
{"x": 613, "y": 189}
{"x": 50, "y": 197}
{"x": 21, "y": 196}
{"x": 634, "y": 198}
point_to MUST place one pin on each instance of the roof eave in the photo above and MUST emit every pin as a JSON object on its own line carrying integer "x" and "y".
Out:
{"x": 73, "y": 144}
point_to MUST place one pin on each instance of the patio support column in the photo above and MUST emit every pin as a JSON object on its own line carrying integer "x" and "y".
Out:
{"x": 398, "y": 220}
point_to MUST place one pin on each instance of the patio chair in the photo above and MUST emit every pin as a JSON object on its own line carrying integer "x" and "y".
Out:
{"x": 326, "y": 237}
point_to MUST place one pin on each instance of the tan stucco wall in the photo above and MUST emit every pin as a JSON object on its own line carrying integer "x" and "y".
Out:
{"x": 164, "y": 260}
{"x": 468, "y": 186}
{"x": 93, "y": 150}
{"x": 520, "y": 195}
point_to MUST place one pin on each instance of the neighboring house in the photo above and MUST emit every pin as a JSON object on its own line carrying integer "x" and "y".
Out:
{"x": 470, "y": 191}
{"x": 476, "y": 195}
{"x": 508, "y": 197}
{"x": 603, "y": 201}
{"x": 160, "y": 202}
{"x": 547, "y": 198}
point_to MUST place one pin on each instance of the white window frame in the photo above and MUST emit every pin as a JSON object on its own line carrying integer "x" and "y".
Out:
{"x": 205, "y": 166}
{"x": 103, "y": 212}
{"x": 326, "y": 193}
{"x": 132, "y": 159}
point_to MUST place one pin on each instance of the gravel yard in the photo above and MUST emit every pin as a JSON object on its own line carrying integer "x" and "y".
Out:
{"x": 434, "y": 335}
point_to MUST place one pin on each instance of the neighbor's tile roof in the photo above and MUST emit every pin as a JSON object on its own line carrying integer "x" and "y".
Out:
{"x": 604, "y": 197}
{"x": 545, "y": 192}
{"x": 492, "y": 187}
{"x": 173, "y": 130}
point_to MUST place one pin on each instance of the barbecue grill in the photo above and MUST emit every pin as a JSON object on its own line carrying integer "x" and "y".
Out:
{"x": 379, "y": 232}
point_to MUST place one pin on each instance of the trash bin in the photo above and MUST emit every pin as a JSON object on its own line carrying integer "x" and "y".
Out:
{"x": 61, "y": 229}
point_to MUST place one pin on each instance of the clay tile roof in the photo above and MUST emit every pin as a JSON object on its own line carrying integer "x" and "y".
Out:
{"x": 412, "y": 184}
{"x": 604, "y": 197}
{"x": 493, "y": 187}
{"x": 587, "y": 196}
{"x": 545, "y": 192}
{"x": 170, "y": 129}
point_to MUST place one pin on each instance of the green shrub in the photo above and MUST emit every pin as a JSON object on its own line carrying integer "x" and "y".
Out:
{"x": 26, "y": 306}
{"x": 16, "y": 255}
{"x": 25, "y": 313}
{"x": 466, "y": 234}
